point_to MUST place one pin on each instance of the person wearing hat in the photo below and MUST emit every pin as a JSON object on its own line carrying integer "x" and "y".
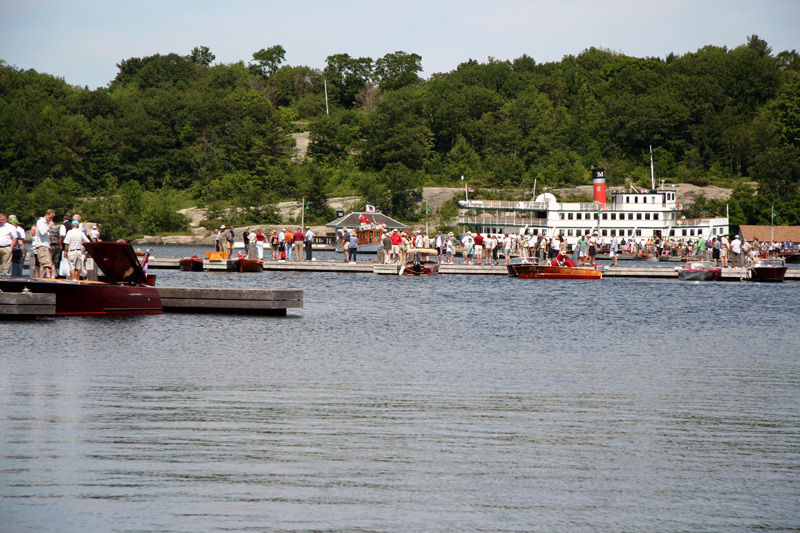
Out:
{"x": 18, "y": 250}
{"x": 8, "y": 240}
{"x": 217, "y": 237}
{"x": 94, "y": 234}
{"x": 73, "y": 246}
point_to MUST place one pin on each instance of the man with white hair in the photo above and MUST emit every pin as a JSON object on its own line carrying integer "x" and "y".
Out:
{"x": 8, "y": 239}
{"x": 73, "y": 246}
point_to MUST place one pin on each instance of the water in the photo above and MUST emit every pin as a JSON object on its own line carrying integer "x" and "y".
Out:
{"x": 396, "y": 404}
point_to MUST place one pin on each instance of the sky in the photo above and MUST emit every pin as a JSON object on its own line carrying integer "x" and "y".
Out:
{"x": 82, "y": 41}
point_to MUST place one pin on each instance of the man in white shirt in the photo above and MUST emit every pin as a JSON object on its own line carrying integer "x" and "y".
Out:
{"x": 41, "y": 246}
{"x": 309, "y": 238}
{"x": 8, "y": 239}
{"x": 736, "y": 251}
{"x": 73, "y": 246}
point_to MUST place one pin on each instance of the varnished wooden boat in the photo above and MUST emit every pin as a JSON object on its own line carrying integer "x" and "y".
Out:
{"x": 250, "y": 265}
{"x": 426, "y": 267}
{"x": 767, "y": 269}
{"x": 191, "y": 264}
{"x": 533, "y": 271}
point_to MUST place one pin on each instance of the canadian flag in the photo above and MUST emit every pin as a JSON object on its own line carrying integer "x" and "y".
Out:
{"x": 144, "y": 262}
{"x": 470, "y": 189}
{"x": 370, "y": 208}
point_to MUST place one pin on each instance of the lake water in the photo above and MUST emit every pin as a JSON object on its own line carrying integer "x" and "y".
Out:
{"x": 444, "y": 403}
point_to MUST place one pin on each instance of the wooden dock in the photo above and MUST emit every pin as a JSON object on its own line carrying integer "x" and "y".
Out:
{"x": 26, "y": 305}
{"x": 233, "y": 301}
{"x": 643, "y": 269}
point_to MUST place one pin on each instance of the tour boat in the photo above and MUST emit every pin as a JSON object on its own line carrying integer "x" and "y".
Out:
{"x": 191, "y": 264}
{"x": 699, "y": 271}
{"x": 368, "y": 226}
{"x": 767, "y": 269}
{"x": 549, "y": 271}
{"x": 637, "y": 214}
{"x": 124, "y": 287}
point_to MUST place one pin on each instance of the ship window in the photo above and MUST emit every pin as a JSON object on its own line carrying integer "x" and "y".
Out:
{"x": 605, "y": 216}
{"x": 636, "y": 200}
{"x": 627, "y": 199}
{"x": 691, "y": 232}
{"x": 595, "y": 216}
{"x": 577, "y": 216}
{"x": 638, "y": 216}
{"x": 638, "y": 233}
{"x": 561, "y": 216}
{"x": 630, "y": 232}
{"x": 569, "y": 233}
{"x": 613, "y": 216}
{"x": 655, "y": 216}
{"x": 630, "y": 216}
{"x": 683, "y": 232}
{"x": 644, "y": 199}
{"x": 605, "y": 233}
{"x": 569, "y": 216}
{"x": 647, "y": 216}
{"x": 672, "y": 233}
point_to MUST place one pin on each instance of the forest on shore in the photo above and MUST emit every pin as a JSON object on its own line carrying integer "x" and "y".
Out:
{"x": 173, "y": 131}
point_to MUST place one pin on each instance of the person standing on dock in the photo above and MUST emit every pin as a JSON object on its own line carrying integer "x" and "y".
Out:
{"x": 353, "y": 249}
{"x": 260, "y": 240}
{"x": 397, "y": 240}
{"x": 613, "y": 250}
{"x": 309, "y": 241}
{"x": 217, "y": 236}
{"x": 288, "y": 239}
{"x": 479, "y": 248}
{"x": 8, "y": 239}
{"x": 73, "y": 246}
{"x": 246, "y": 240}
{"x": 41, "y": 246}
{"x": 345, "y": 244}
{"x": 298, "y": 239}
{"x": 386, "y": 243}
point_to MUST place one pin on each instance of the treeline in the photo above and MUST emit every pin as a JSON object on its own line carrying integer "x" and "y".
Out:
{"x": 172, "y": 131}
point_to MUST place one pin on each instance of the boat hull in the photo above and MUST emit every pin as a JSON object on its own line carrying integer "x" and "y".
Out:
{"x": 91, "y": 297}
{"x": 250, "y": 265}
{"x": 527, "y": 271}
{"x": 700, "y": 274}
{"x": 191, "y": 264}
{"x": 766, "y": 273}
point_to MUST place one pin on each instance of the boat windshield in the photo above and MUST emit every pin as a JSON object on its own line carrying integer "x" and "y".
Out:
{"x": 695, "y": 265}
{"x": 770, "y": 262}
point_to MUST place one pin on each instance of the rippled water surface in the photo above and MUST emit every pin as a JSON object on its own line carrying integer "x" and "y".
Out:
{"x": 397, "y": 404}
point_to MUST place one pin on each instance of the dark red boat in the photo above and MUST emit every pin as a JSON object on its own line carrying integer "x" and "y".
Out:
{"x": 191, "y": 264}
{"x": 767, "y": 269}
{"x": 124, "y": 288}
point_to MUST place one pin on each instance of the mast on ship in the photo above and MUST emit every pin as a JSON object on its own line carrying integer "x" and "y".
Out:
{"x": 652, "y": 175}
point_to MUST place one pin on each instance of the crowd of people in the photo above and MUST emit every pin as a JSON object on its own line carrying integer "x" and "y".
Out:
{"x": 57, "y": 248}
{"x": 283, "y": 245}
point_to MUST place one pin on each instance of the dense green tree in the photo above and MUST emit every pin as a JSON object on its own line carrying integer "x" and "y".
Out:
{"x": 268, "y": 60}
{"x": 397, "y": 70}
{"x": 346, "y": 76}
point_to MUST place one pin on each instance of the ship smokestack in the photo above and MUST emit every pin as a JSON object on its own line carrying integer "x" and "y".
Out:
{"x": 599, "y": 185}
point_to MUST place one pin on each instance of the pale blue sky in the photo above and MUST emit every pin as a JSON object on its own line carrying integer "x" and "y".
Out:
{"x": 83, "y": 40}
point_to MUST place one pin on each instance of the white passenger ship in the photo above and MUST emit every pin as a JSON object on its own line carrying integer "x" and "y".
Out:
{"x": 635, "y": 215}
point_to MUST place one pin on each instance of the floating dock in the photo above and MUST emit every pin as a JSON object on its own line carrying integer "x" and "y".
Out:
{"x": 26, "y": 305}
{"x": 239, "y": 301}
{"x": 644, "y": 270}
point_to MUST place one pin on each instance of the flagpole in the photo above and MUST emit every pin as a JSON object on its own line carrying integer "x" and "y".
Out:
{"x": 303, "y": 215}
{"x": 772, "y": 224}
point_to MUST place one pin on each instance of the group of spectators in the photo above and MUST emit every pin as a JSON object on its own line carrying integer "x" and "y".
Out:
{"x": 281, "y": 244}
{"x": 53, "y": 245}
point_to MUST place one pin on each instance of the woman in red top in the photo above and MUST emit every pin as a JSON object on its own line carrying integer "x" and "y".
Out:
{"x": 260, "y": 238}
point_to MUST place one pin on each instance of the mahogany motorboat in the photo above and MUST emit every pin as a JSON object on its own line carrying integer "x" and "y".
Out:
{"x": 699, "y": 271}
{"x": 123, "y": 288}
{"x": 767, "y": 269}
{"x": 250, "y": 265}
{"x": 548, "y": 270}
{"x": 191, "y": 264}
{"x": 415, "y": 267}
